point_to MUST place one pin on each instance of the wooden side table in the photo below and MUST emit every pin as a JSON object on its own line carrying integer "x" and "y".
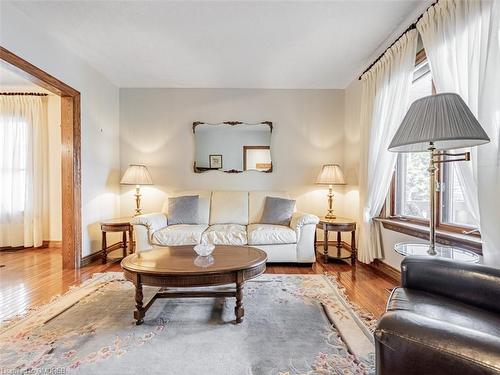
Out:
{"x": 117, "y": 225}
{"x": 339, "y": 225}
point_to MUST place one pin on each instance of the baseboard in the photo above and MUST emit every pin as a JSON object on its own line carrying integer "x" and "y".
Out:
{"x": 390, "y": 271}
{"x": 377, "y": 264}
{"x": 45, "y": 245}
{"x": 86, "y": 260}
{"x": 56, "y": 244}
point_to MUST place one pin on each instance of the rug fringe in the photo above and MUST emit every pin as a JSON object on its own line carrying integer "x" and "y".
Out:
{"x": 367, "y": 317}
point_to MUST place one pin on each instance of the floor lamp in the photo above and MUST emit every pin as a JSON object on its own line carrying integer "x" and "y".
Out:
{"x": 436, "y": 124}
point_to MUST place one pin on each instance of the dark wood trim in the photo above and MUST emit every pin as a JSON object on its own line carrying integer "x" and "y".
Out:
{"x": 56, "y": 244}
{"x": 86, "y": 260}
{"x": 233, "y": 123}
{"x": 30, "y": 72}
{"x": 409, "y": 28}
{"x": 245, "y": 148}
{"x": 23, "y": 94}
{"x": 70, "y": 154}
{"x": 442, "y": 237}
{"x": 418, "y": 221}
{"x": 45, "y": 245}
{"x": 386, "y": 269}
{"x": 421, "y": 57}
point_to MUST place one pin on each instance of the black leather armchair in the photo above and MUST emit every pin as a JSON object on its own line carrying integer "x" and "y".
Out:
{"x": 444, "y": 319}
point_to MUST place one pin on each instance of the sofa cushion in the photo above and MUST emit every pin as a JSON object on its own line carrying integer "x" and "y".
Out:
{"x": 203, "y": 204}
{"x": 176, "y": 235}
{"x": 267, "y": 234}
{"x": 256, "y": 200}
{"x": 225, "y": 234}
{"x": 277, "y": 211}
{"x": 183, "y": 210}
{"x": 229, "y": 207}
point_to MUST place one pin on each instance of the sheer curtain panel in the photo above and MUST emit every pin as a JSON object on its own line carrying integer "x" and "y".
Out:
{"x": 23, "y": 168}
{"x": 386, "y": 89}
{"x": 462, "y": 43}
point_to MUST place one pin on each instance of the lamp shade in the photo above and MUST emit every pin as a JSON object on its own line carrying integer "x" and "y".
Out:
{"x": 330, "y": 174}
{"x": 136, "y": 174}
{"x": 443, "y": 119}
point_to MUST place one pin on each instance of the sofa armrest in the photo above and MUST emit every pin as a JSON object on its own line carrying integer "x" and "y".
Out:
{"x": 152, "y": 222}
{"x": 145, "y": 226}
{"x": 299, "y": 219}
{"x": 473, "y": 284}
{"x": 409, "y": 343}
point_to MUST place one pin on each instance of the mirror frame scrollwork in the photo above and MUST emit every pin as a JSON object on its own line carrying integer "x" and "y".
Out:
{"x": 231, "y": 123}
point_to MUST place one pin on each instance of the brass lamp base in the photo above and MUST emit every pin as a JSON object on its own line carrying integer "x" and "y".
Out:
{"x": 330, "y": 215}
{"x": 137, "y": 195}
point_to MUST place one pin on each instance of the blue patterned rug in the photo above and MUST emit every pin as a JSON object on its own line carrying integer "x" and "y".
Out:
{"x": 294, "y": 324}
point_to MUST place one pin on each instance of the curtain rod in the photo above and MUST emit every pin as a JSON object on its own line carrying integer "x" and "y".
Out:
{"x": 23, "y": 93}
{"x": 411, "y": 27}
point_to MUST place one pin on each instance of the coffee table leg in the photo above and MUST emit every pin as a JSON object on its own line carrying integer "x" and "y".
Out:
{"x": 139, "y": 312}
{"x": 238, "y": 310}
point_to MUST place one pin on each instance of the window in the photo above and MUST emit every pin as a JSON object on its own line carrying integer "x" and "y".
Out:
{"x": 410, "y": 187}
{"x": 13, "y": 162}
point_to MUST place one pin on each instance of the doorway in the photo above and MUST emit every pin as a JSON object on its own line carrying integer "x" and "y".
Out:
{"x": 257, "y": 158}
{"x": 70, "y": 153}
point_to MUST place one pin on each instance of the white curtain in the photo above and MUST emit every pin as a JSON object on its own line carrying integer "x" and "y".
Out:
{"x": 23, "y": 166}
{"x": 386, "y": 89}
{"x": 462, "y": 42}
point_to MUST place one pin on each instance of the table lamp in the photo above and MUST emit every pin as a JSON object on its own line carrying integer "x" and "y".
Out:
{"x": 137, "y": 175}
{"x": 435, "y": 124}
{"x": 330, "y": 175}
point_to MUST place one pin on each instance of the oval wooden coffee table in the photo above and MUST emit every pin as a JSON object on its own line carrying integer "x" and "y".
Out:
{"x": 180, "y": 266}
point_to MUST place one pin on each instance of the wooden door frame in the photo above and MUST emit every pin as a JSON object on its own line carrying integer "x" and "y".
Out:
{"x": 70, "y": 153}
{"x": 245, "y": 148}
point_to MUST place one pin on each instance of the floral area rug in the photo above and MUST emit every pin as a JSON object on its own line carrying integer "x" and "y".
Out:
{"x": 293, "y": 324}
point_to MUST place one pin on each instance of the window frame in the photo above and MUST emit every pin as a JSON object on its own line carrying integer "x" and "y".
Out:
{"x": 446, "y": 227}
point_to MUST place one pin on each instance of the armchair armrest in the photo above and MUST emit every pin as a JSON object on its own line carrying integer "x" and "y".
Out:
{"x": 152, "y": 222}
{"x": 473, "y": 284}
{"x": 410, "y": 343}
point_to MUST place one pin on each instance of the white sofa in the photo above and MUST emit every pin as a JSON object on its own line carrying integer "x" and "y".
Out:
{"x": 232, "y": 218}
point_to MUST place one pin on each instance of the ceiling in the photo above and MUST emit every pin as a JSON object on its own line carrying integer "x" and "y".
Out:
{"x": 14, "y": 82}
{"x": 213, "y": 44}
{"x": 9, "y": 78}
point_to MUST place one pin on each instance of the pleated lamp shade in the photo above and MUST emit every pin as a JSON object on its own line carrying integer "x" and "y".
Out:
{"x": 136, "y": 175}
{"x": 330, "y": 174}
{"x": 443, "y": 119}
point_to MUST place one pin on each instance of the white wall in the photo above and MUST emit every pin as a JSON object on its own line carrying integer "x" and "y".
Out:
{"x": 156, "y": 129}
{"x": 100, "y": 127}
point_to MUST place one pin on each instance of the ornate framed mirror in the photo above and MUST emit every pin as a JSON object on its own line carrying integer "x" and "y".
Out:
{"x": 233, "y": 146}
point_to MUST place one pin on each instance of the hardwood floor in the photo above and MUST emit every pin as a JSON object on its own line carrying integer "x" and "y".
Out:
{"x": 32, "y": 277}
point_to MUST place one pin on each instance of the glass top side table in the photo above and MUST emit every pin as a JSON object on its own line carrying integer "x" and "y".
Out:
{"x": 448, "y": 252}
